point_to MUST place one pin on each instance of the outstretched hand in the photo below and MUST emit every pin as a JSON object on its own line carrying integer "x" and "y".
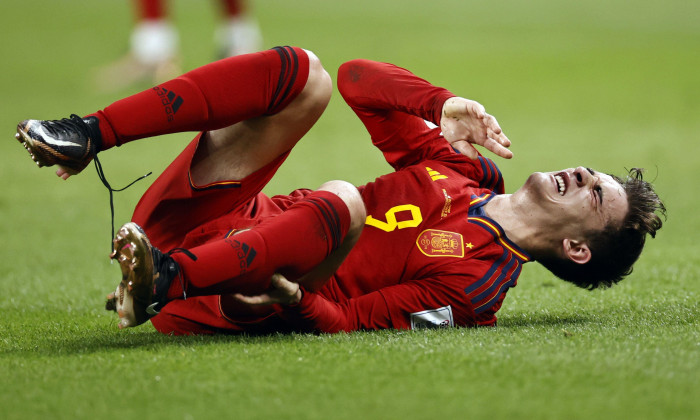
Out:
{"x": 465, "y": 122}
{"x": 281, "y": 291}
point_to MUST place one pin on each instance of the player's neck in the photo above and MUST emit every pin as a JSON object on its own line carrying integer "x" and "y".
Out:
{"x": 518, "y": 224}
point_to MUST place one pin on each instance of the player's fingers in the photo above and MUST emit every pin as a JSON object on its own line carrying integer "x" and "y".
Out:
{"x": 244, "y": 299}
{"x": 465, "y": 148}
{"x": 495, "y": 131}
{"x": 492, "y": 123}
{"x": 279, "y": 280}
{"x": 476, "y": 109}
{"x": 505, "y": 141}
{"x": 499, "y": 137}
{"x": 495, "y": 147}
{"x": 253, "y": 300}
{"x": 495, "y": 128}
{"x": 61, "y": 173}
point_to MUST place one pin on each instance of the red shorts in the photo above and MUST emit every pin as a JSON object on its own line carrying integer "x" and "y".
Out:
{"x": 176, "y": 213}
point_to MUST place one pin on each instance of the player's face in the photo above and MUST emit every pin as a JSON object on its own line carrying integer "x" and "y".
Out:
{"x": 576, "y": 200}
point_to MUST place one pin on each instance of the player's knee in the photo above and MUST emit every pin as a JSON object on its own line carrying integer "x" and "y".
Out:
{"x": 353, "y": 200}
{"x": 319, "y": 85}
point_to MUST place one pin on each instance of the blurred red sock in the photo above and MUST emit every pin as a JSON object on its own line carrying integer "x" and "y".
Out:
{"x": 150, "y": 9}
{"x": 232, "y": 7}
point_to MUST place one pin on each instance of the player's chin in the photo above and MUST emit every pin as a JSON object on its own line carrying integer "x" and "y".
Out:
{"x": 537, "y": 179}
{"x": 540, "y": 184}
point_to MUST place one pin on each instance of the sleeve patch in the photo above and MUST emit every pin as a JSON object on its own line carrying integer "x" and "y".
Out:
{"x": 433, "y": 318}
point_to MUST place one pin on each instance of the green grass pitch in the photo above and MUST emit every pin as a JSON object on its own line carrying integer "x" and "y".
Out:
{"x": 608, "y": 84}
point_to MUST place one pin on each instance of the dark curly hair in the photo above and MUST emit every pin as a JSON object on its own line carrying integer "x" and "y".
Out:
{"x": 615, "y": 249}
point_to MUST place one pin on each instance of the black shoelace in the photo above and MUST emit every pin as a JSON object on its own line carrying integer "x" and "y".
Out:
{"x": 103, "y": 178}
{"x": 75, "y": 122}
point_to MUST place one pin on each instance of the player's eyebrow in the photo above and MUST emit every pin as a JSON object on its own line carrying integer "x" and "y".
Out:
{"x": 591, "y": 171}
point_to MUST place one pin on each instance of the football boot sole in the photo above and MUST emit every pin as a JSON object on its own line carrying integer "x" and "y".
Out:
{"x": 134, "y": 293}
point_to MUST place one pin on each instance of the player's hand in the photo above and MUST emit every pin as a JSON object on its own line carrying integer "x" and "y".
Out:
{"x": 465, "y": 122}
{"x": 62, "y": 173}
{"x": 281, "y": 291}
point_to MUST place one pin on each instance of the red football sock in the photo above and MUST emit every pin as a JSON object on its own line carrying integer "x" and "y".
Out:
{"x": 150, "y": 9}
{"x": 292, "y": 243}
{"x": 232, "y": 7}
{"x": 208, "y": 98}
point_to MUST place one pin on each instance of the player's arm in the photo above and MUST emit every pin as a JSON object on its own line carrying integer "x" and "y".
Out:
{"x": 312, "y": 312}
{"x": 397, "y": 307}
{"x": 392, "y": 103}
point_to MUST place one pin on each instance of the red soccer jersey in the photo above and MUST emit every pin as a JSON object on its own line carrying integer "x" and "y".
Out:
{"x": 428, "y": 255}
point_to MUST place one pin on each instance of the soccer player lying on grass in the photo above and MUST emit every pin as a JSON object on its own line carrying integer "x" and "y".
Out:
{"x": 435, "y": 243}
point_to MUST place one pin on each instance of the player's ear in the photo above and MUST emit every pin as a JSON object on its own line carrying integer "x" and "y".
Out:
{"x": 576, "y": 251}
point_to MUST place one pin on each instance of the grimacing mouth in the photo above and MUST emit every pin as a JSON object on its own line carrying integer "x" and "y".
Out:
{"x": 561, "y": 180}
